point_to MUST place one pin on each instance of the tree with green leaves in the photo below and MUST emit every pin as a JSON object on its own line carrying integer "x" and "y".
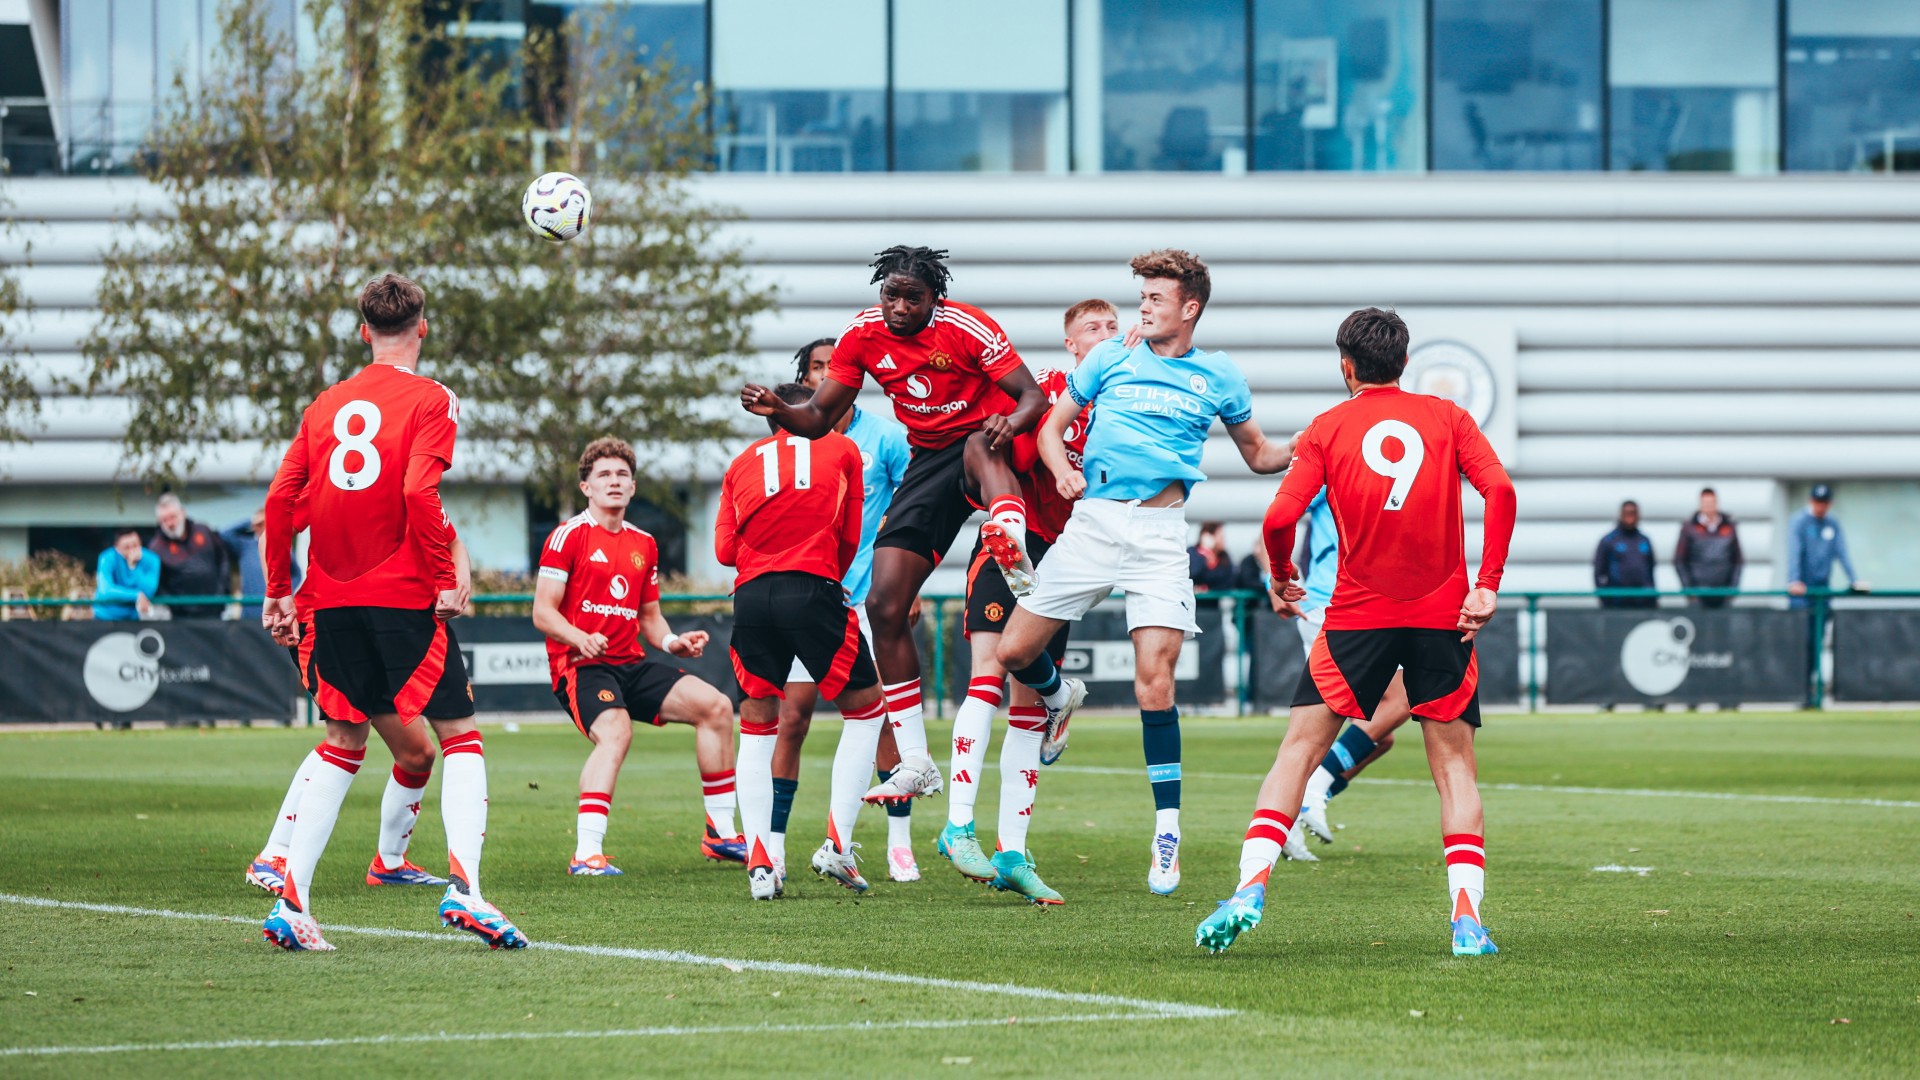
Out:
{"x": 293, "y": 177}
{"x": 19, "y": 404}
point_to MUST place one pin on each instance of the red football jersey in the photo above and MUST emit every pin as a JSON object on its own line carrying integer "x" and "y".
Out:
{"x": 609, "y": 577}
{"x": 790, "y": 504}
{"x": 367, "y": 462}
{"x": 1047, "y": 512}
{"x": 942, "y": 380}
{"x": 1391, "y": 463}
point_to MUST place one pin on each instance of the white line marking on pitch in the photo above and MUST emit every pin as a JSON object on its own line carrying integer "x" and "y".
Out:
{"x": 616, "y": 1033}
{"x": 1654, "y": 793}
{"x": 1142, "y": 1008}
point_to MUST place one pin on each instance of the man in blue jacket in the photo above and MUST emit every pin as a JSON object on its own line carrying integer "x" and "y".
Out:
{"x": 243, "y": 541}
{"x": 125, "y": 578}
{"x": 1624, "y": 560}
{"x": 1815, "y": 542}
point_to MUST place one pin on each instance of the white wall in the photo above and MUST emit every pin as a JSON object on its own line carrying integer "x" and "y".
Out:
{"x": 1672, "y": 331}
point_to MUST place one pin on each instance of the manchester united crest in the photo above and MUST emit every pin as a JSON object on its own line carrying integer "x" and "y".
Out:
{"x": 940, "y": 361}
{"x": 638, "y": 562}
{"x": 995, "y": 612}
{"x": 606, "y": 695}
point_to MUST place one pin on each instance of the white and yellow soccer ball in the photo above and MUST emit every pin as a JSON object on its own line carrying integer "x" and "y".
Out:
{"x": 556, "y": 207}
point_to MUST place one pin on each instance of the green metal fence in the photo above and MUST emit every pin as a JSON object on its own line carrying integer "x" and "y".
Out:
{"x": 937, "y": 608}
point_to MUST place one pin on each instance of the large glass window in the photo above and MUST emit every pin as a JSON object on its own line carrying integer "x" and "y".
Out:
{"x": 981, "y": 88}
{"x": 1853, "y": 85}
{"x": 1692, "y": 85}
{"x": 1173, "y": 80}
{"x": 800, "y": 87}
{"x": 1516, "y": 84}
{"x": 1339, "y": 84}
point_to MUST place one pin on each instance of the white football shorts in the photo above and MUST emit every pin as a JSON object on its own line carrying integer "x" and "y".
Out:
{"x": 1111, "y": 546}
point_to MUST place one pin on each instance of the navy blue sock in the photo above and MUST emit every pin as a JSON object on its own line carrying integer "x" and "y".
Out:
{"x": 1350, "y": 749}
{"x": 904, "y": 808}
{"x": 783, "y": 790}
{"x": 1160, "y": 738}
{"x": 1042, "y": 675}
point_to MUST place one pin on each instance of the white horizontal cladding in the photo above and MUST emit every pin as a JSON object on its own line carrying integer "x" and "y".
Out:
{"x": 1582, "y": 501}
{"x": 1276, "y": 327}
{"x": 1799, "y": 457}
{"x": 1719, "y": 370}
{"x": 1890, "y": 412}
{"x": 850, "y": 245}
{"x": 1284, "y": 282}
{"x": 1545, "y": 197}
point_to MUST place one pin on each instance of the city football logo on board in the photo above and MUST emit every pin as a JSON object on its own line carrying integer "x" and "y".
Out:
{"x": 1658, "y": 654}
{"x": 1451, "y": 370}
{"x": 122, "y": 671}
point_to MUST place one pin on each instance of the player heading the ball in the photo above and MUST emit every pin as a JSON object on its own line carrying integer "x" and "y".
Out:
{"x": 1128, "y": 533}
{"x": 962, "y": 393}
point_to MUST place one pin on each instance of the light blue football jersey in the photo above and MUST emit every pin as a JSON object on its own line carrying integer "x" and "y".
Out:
{"x": 883, "y": 460}
{"x": 1155, "y": 412}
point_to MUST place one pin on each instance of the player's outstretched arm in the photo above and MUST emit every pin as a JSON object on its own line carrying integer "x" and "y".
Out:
{"x": 1262, "y": 455}
{"x": 810, "y": 419}
{"x": 1052, "y": 442}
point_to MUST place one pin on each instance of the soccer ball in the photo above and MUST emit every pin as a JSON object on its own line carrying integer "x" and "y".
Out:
{"x": 556, "y": 207}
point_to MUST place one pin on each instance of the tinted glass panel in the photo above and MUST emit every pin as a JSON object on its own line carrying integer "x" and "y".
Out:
{"x": 1693, "y": 85}
{"x": 1173, "y": 76}
{"x": 1338, "y": 84}
{"x": 1853, "y": 85}
{"x": 1516, "y": 84}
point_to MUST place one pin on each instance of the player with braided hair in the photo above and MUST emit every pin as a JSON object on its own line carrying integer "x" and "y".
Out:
{"x": 962, "y": 393}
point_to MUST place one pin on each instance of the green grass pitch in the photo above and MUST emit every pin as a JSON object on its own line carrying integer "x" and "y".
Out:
{"x": 1775, "y": 932}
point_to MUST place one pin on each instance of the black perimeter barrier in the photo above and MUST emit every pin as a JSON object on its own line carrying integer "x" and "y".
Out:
{"x": 115, "y": 672}
{"x": 1666, "y": 656}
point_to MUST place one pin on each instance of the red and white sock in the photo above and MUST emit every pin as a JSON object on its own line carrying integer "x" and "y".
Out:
{"x": 755, "y": 767}
{"x": 313, "y": 826}
{"x": 972, "y": 730}
{"x": 1261, "y": 849}
{"x": 590, "y": 829}
{"x": 399, "y": 810}
{"x": 463, "y": 807}
{"x": 282, "y": 834}
{"x": 904, "y": 716}
{"x": 1466, "y": 873}
{"x": 1010, "y": 513}
{"x": 1020, "y": 773}
{"x": 717, "y": 791}
{"x": 852, "y": 768}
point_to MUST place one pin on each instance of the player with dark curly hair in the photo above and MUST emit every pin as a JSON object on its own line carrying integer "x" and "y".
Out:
{"x": 962, "y": 393}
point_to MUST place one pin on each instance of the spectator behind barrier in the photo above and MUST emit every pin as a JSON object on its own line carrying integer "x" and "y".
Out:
{"x": 1708, "y": 555}
{"x": 1815, "y": 542}
{"x": 126, "y": 576}
{"x": 1208, "y": 562}
{"x": 243, "y": 542}
{"x": 1624, "y": 560}
{"x": 193, "y": 560}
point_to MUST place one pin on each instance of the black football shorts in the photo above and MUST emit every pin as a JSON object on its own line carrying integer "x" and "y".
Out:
{"x": 1349, "y": 670}
{"x": 778, "y": 617}
{"x": 587, "y": 690}
{"x": 931, "y": 504}
{"x": 360, "y": 662}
